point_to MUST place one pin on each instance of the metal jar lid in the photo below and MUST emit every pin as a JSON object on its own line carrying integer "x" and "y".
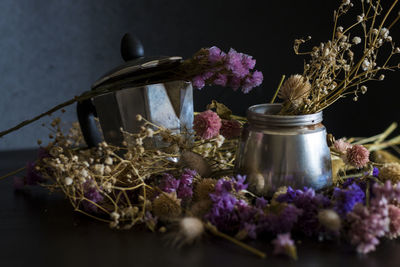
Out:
{"x": 266, "y": 115}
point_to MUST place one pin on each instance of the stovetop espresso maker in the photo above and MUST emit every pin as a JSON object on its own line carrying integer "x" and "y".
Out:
{"x": 168, "y": 104}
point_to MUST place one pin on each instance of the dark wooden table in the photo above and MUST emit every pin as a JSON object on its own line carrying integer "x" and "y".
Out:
{"x": 41, "y": 229}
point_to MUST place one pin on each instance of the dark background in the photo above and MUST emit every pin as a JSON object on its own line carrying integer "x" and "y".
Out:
{"x": 53, "y": 50}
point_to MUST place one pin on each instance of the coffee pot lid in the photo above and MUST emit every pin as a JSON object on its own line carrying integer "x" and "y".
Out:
{"x": 135, "y": 62}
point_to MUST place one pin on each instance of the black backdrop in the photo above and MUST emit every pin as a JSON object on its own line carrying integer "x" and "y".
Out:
{"x": 53, "y": 50}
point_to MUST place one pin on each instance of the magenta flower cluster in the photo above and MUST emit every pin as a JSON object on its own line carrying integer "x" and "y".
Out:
{"x": 208, "y": 124}
{"x": 233, "y": 69}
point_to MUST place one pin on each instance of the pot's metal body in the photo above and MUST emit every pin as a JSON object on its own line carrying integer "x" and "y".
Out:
{"x": 278, "y": 150}
{"x": 167, "y": 104}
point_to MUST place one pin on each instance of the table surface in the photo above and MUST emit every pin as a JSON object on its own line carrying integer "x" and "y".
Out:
{"x": 41, "y": 229}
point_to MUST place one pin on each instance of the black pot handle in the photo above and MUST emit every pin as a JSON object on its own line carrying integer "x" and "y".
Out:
{"x": 86, "y": 116}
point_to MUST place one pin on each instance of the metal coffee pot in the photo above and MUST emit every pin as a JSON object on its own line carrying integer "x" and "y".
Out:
{"x": 277, "y": 150}
{"x": 168, "y": 104}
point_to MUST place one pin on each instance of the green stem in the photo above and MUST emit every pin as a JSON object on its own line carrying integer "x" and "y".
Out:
{"x": 279, "y": 88}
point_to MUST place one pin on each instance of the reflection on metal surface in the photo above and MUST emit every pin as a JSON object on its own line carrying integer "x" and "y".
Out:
{"x": 165, "y": 104}
{"x": 280, "y": 150}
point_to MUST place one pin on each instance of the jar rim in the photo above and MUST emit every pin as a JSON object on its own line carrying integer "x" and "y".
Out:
{"x": 266, "y": 114}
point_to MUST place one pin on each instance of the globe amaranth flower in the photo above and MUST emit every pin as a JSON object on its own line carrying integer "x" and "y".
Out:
{"x": 344, "y": 199}
{"x": 207, "y": 124}
{"x": 283, "y": 244}
{"x": 230, "y": 128}
{"x": 357, "y": 156}
{"x": 341, "y": 146}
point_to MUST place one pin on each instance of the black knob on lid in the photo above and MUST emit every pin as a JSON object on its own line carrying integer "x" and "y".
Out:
{"x": 131, "y": 47}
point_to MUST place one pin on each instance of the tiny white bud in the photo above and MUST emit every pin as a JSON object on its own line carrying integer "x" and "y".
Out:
{"x": 139, "y": 117}
{"x": 114, "y": 216}
{"x": 68, "y": 180}
{"x": 381, "y": 77}
{"x": 108, "y": 161}
{"x": 363, "y": 89}
{"x": 149, "y": 132}
{"x": 356, "y": 40}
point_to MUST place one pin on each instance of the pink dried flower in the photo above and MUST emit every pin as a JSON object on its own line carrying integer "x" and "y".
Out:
{"x": 394, "y": 216}
{"x": 283, "y": 244}
{"x": 358, "y": 156}
{"x": 230, "y": 128}
{"x": 207, "y": 124}
{"x": 341, "y": 146}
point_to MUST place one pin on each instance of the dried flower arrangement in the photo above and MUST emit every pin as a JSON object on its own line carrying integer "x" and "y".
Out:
{"x": 190, "y": 181}
{"x": 335, "y": 68}
{"x": 138, "y": 184}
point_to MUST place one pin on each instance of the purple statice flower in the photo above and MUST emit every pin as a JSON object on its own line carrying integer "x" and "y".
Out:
{"x": 169, "y": 184}
{"x": 251, "y": 81}
{"x": 283, "y": 244}
{"x": 367, "y": 225}
{"x": 387, "y": 191}
{"x": 234, "y": 63}
{"x": 310, "y": 203}
{"x": 345, "y": 199}
{"x": 185, "y": 189}
{"x": 261, "y": 202}
{"x": 394, "y": 217}
{"x": 281, "y": 221}
{"x": 233, "y": 69}
{"x": 198, "y": 82}
{"x": 234, "y": 82}
{"x": 93, "y": 194}
{"x": 229, "y": 213}
{"x": 250, "y": 229}
{"x": 215, "y": 54}
{"x": 239, "y": 183}
{"x": 375, "y": 172}
{"x": 32, "y": 177}
{"x": 221, "y": 80}
{"x": 248, "y": 61}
